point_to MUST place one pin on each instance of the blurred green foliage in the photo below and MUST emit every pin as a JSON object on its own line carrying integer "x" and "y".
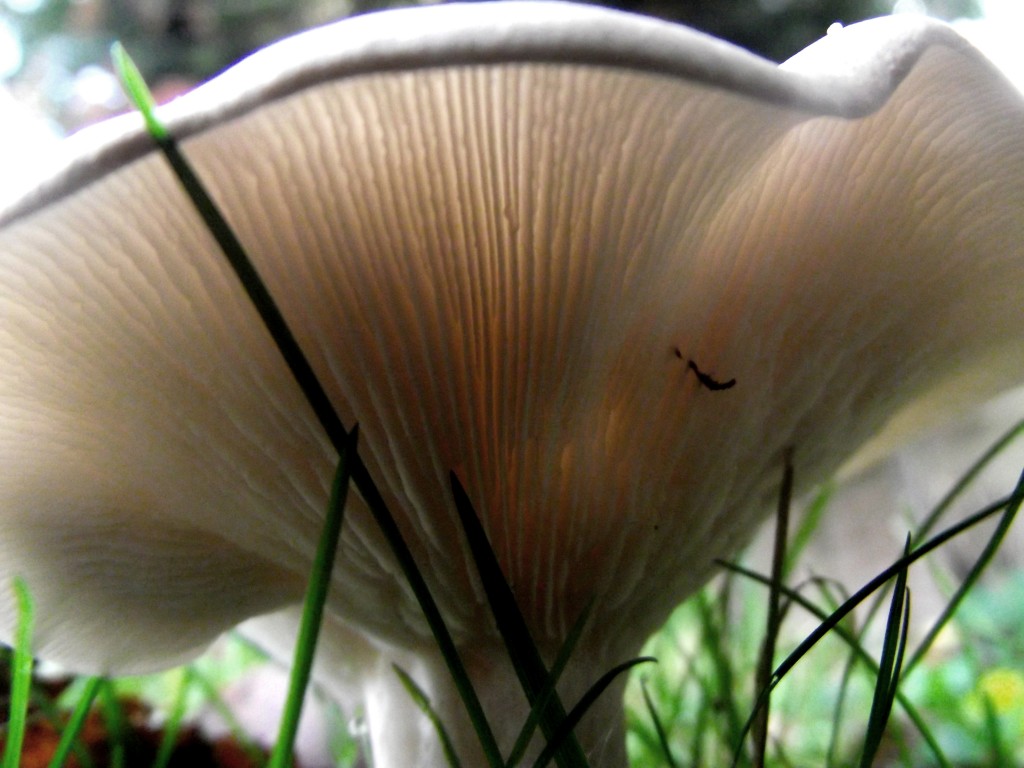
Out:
{"x": 182, "y": 42}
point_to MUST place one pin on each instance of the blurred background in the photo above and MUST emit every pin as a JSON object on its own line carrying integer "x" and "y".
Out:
{"x": 55, "y": 75}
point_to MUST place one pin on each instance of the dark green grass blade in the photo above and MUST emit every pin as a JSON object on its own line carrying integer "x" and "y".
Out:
{"x": 986, "y": 556}
{"x": 659, "y": 728}
{"x": 565, "y": 730}
{"x": 423, "y": 702}
{"x": 315, "y": 395}
{"x": 21, "y": 673}
{"x": 561, "y": 661}
{"x": 522, "y": 650}
{"x": 74, "y": 725}
{"x": 773, "y": 620}
{"x": 887, "y": 680}
{"x": 313, "y": 608}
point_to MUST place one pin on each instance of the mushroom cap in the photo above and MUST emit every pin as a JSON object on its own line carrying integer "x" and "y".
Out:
{"x": 500, "y": 233}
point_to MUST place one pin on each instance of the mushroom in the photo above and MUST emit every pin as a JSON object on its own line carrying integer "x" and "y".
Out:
{"x": 605, "y": 269}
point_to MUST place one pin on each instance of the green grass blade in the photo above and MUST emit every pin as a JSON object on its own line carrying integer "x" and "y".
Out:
{"x": 561, "y": 661}
{"x": 1000, "y": 754}
{"x": 137, "y": 91}
{"x": 173, "y": 725}
{"x": 422, "y": 701}
{"x": 522, "y": 650}
{"x": 717, "y": 647}
{"x": 74, "y": 725}
{"x": 237, "y": 731}
{"x": 704, "y": 726}
{"x": 318, "y": 400}
{"x": 659, "y": 728}
{"x": 313, "y": 609}
{"x": 21, "y": 673}
{"x": 41, "y": 702}
{"x": 566, "y": 728}
{"x": 808, "y": 525}
{"x": 431, "y": 612}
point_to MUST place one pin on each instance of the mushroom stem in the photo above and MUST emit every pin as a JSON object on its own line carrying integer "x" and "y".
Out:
{"x": 401, "y": 735}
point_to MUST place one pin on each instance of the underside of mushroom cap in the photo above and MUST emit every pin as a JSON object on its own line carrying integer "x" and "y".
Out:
{"x": 521, "y": 242}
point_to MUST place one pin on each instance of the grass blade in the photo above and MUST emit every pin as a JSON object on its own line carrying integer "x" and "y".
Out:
{"x": 423, "y": 702}
{"x": 808, "y": 525}
{"x": 216, "y": 702}
{"x": 725, "y": 686}
{"x": 313, "y": 609}
{"x": 999, "y": 752}
{"x": 173, "y": 725}
{"x": 522, "y": 650}
{"x": 659, "y": 729}
{"x": 21, "y": 673}
{"x": 74, "y": 725}
{"x": 703, "y": 725}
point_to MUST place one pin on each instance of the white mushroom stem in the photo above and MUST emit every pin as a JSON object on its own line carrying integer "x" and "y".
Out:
{"x": 363, "y": 680}
{"x": 521, "y": 242}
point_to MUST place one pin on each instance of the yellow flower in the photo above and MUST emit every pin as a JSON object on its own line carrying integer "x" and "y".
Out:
{"x": 1004, "y": 687}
